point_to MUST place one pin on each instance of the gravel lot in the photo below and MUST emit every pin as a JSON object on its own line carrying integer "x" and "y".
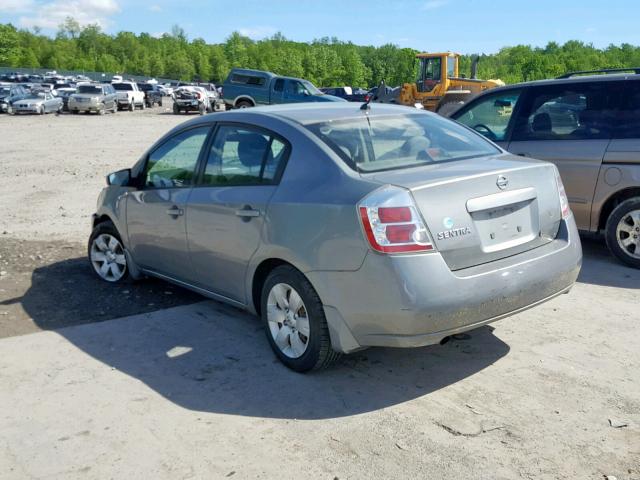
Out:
{"x": 193, "y": 391}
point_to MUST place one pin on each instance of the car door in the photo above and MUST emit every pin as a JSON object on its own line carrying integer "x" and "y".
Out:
{"x": 156, "y": 211}
{"x": 570, "y": 125}
{"x": 491, "y": 114}
{"x": 294, "y": 92}
{"x": 227, "y": 208}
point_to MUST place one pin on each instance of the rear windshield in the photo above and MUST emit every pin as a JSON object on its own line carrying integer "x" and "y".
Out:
{"x": 89, "y": 89}
{"x": 373, "y": 144}
{"x": 122, "y": 86}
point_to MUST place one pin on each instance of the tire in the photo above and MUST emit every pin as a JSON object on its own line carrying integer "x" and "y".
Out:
{"x": 115, "y": 108}
{"x": 160, "y": 102}
{"x": 41, "y": 111}
{"x": 622, "y": 232}
{"x": 176, "y": 110}
{"x": 74, "y": 112}
{"x": 132, "y": 106}
{"x": 202, "y": 109}
{"x": 101, "y": 109}
{"x": 143, "y": 105}
{"x": 244, "y": 104}
{"x": 317, "y": 352}
{"x": 101, "y": 251}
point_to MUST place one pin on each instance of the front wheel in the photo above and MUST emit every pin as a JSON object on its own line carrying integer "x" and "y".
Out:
{"x": 41, "y": 111}
{"x": 132, "y": 106}
{"x": 202, "y": 109}
{"x": 106, "y": 253}
{"x": 294, "y": 321}
{"x": 622, "y": 232}
{"x": 176, "y": 110}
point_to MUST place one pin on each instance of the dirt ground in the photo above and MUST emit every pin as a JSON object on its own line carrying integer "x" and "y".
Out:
{"x": 193, "y": 391}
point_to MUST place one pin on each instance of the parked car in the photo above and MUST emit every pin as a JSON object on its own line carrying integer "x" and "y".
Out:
{"x": 191, "y": 99}
{"x": 348, "y": 93}
{"x": 38, "y": 102}
{"x": 589, "y": 127}
{"x": 129, "y": 96}
{"x": 152, "y": 95}
{"x": 341, "y": 228}
{"x": 215, "y": 100}
{"x": 98, "y": 98}
{"x": 9, "y": 93}
{"x": 64, "y": 94}
{"x": 165, "y": 90}
{"x": 248, "y": 88}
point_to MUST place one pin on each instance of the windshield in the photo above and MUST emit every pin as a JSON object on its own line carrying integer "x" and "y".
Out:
{"x": 122, "y": 86}
{"x": 311, "y": 88}
{"x": 373, "y": 144}
{"x": 89, "y": 89}
{"x": 4, "y": 90}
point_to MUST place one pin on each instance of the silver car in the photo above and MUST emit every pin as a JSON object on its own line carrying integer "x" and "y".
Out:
{"x": 342, "y": 226}
{"x": 38, "y": 102}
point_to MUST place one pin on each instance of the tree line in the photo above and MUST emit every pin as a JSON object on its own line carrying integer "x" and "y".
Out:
{"x": 325, "y": 61}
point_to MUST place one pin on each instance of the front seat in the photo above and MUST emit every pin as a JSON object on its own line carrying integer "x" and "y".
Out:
{"x": 541, "y": 124}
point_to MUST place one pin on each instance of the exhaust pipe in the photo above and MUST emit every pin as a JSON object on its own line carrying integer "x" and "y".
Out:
{"x": 474, "y": 66}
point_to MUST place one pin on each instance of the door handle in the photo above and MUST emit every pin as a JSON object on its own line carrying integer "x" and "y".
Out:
{"x": 248, "y": 212}
{"x": 175, "y": 211}
{"x": 522, "y": 154}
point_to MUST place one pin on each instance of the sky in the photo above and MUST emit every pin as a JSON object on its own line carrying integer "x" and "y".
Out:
{"x": 464, "y": 26}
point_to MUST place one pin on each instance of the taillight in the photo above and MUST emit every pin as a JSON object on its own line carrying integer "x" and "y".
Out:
{"x": 391, "y": 222}
{"x": 367, "y": 97}
{"x": 564, "y": 201}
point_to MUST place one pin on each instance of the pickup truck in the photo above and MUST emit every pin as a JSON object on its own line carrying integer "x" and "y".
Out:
{"x": 247, "y": 88}
{"x": 129, "y": 96}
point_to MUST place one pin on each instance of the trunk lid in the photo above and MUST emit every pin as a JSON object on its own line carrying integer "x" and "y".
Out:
{"x": 483, "y": 209}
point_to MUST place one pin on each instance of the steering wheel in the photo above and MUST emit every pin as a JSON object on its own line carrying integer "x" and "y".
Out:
{"x": 486, "y": 131}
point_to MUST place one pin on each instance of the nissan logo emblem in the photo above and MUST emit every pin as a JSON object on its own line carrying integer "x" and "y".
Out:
{"x": 502, "y": 182}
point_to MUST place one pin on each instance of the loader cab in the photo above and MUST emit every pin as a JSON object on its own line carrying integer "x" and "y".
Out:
{"x": 435, "y": 69}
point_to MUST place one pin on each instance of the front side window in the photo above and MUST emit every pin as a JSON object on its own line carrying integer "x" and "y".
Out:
{"x": 173, "y": 163}
{"x": 566, "y": 112}
{"x": 371, "y": 144}
{"x": 294, "y": 87}
{"x": 451, "y": 66}
{"x": 279, "y": 85}
{"x": 244, "y": 156}
{"x": 490, "y": 116}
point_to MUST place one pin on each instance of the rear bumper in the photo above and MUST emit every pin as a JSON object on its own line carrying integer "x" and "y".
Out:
{"x": 416, "y": 300}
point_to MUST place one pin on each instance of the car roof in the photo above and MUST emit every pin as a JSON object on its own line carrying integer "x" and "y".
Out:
{"x": 611, "y": 77}
{"x": 308, "y": 113}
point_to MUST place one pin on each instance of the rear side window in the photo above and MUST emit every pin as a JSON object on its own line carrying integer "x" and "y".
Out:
{"x": 244, "y": 156}
{"x": 173, "y": 163}
{"x": 628, "y": 115}
{"x": 490, "y": 115}
{"x": 566, "y": 112}
{"x": 247, "y": 79}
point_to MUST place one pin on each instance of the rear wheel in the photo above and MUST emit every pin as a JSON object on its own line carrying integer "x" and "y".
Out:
{"x": 106, "y": 253}
{"x": 294, "y": 321}
{"x": 244, "y": 104}
{"x": 622, "y": 232}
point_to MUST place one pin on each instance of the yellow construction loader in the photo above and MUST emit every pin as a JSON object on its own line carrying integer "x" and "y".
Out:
{"x": 439, "y": 87}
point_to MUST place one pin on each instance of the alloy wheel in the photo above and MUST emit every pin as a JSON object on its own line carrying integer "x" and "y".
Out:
{"x": 107, "y": 257}
{"x": 288, "y": 320}
{"x": 628, "y": 233}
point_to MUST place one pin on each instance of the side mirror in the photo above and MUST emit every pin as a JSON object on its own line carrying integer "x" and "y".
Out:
{"x": 121, "y": 178}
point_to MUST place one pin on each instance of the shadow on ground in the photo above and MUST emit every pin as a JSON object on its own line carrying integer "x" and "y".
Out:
{"x": 214, "y": 358}
{"x": 599, "y": 267}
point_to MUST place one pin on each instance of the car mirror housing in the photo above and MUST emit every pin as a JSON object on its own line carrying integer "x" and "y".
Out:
{"x": 121, "y": 178}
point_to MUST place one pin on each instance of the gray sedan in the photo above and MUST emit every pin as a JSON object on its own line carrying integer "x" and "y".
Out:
{"x": 38, "y": 102}
{"x": 342, "y": 227}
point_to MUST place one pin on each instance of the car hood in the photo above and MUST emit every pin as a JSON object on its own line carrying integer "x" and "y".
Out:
{"x": 329, "y": 98}
{"x": 31, "y": 101}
